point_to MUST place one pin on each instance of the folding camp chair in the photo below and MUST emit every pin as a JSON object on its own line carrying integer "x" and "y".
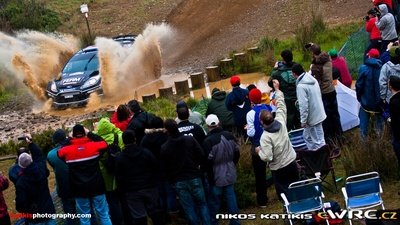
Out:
{"x": 304, "y": 196}
{"x": 317, "y": 163}
{"x": 297, "y": 140}
{"x": 363, "y": 191}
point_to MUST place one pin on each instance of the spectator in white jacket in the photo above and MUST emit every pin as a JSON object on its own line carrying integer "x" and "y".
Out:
{"x": 275, "y": 147}
{"x": 311, "y": 108}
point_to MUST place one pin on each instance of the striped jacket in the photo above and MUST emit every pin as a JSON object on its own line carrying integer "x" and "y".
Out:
{"x": 82, "y": 157}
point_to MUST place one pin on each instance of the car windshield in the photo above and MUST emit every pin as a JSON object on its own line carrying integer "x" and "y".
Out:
{"x": 82, "y": 62}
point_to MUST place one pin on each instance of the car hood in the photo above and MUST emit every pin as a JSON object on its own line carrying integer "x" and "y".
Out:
{"x": 74, "y": 79}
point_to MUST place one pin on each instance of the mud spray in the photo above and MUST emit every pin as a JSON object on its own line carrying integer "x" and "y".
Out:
{"x": 35, "y": 58}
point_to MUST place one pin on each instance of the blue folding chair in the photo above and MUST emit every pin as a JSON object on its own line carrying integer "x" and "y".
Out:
{"x": 363, "y": 191}
{"x": 304, "y": 196}
{"x": 297, "y": 140}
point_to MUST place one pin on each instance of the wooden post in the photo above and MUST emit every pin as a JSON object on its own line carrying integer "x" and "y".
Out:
{"x": 197, "y": 80}
{"x": 226, "y": 67}
{"x": 253, "y": 50}
{"x": 182, "y": 87}
{"x": 166, "y": 92}
{"x": 241, "y": 60}
{"x": 212, "y": 73}
{"x": 149, "y": 97}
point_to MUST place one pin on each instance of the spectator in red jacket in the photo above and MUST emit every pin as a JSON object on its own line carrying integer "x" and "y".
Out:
{"x": 86, "y": 180}
{"x": 340, "y": 63}
{"x": 4, "y": 217}
{"x": 375, "y": 38}
{"x": 121, "y": 117}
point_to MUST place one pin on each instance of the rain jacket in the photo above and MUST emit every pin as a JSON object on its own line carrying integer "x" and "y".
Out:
{"x": 310, "y": 100}
{"x": 3, "y": 186}
{"x": 321, "y": 69}
{"x": 367, "y": 85}
{"x": 82, "y": 157}
{"x": 217, "y": 106}
{"x": 388, "y": 69}
{"x": 386, "y": 24}
{"x": 340, "y": 63}
{"x": 238, "y": 102}
{"x": 223, "y": 153}
{"x": 276, "y": 148}
{"x": 287, "y": 82}
{"x": 32, "y": 189}
{"x": 372, "y": 29}
{"x": 106, "y": 130}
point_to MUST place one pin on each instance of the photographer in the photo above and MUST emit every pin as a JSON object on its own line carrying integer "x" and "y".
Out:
{"x": 375, "y": 38}
{"x": 387, "y": 25}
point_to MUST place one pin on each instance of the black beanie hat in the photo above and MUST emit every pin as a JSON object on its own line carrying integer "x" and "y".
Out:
{"x": 78, "y": 131}
{"x": 59, "y": 136}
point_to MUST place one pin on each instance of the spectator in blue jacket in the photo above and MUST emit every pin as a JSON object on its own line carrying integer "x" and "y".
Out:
{"x": 238, "y": 102}
{"x": 367, "y": 89}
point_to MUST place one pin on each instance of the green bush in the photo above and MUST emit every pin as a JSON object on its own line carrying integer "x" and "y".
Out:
{"x": 29, "y": 14}
{"x": 161, "y": 107}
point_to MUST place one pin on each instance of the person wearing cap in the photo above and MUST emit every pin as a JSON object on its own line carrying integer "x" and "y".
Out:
{"x": 238, "y": 102}
{"x": 62, "y": 175}
{"x": 254, "y": 131}
{"x": 283, "y": 73}
{"x": 367, "y": 90}
{"x": 339, "y": 62}
{"x": 321, "y": 69}
{"x": 137, "y": 173}
{"x": 182, "y": 156}
{"x": 217, "y": 106}
{"x": 194, "y": 117}
{"x": 275, "y": 147}
{"x": 32, "y": 189}
{"x": 223, "y": 154}
{"x": 86, "y": 181}
{"x": 140, "y": 119}
{"x": 387, "y": 25}
{"x": 311, "y": 107}
{"x": 391, "y": 68}
{"x": 4, "y": 216}
{"x": 375, "y": 38}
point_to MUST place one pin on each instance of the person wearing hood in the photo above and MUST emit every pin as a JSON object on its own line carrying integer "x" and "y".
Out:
{"x": 137, "y": 171}
{"x": 321, "y": 69}
{"x": 312, "y": 112}
{"x": 238, "y": 103}
{"x": 108, "y": 131}
{"x": 62, "y": 175}
{"x": 275, "y": 147}
{"x": 32, "y": 189}
{"x": 367, "y": 90}
{"x": 217, "y": 106}
{"x": 387, "y": 25}
{"x": 391, "y": 68}
{"x": 287, "y": 82}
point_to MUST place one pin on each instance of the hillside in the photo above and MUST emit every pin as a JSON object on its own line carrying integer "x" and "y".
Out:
{"x": 207, "y": 29}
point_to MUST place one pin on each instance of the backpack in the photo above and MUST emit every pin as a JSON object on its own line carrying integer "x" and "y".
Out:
{"x": 113, "y": 150}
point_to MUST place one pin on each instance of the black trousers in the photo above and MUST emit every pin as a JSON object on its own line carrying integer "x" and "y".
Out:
{"x": 331, "y": 125}
{"x": 259, "y": 168}
{"x": 293, "y": 115}
{"x": 284, "y": 177}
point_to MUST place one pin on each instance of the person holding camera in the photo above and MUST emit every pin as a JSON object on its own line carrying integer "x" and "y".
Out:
{"x": 375, "y": 38}
{"x": 387, "y": 25}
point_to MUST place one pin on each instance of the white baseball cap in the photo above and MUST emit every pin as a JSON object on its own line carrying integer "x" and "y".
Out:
{"x": 212, "y": 120}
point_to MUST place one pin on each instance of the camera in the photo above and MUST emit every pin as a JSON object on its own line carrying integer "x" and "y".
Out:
{"x": 396, "y": 43}
{"x": 22, "y": 138}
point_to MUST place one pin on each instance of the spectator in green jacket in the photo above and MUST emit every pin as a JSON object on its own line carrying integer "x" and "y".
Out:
{"x": 217, "y": 106}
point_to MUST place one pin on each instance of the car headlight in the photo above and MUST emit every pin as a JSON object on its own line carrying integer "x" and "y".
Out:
{"x": 53, "y": 87}
{"x": 91, "y": 82}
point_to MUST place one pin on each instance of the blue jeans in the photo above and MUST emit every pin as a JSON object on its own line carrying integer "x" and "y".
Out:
{"x": 228, "y": 193}
{"x": 364, "y": 122}
{"x": 168, "y": 197}
{"x": 47, "y": 222}
{"x": 192, "y": 197}
{"x": 99, "y": 205}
